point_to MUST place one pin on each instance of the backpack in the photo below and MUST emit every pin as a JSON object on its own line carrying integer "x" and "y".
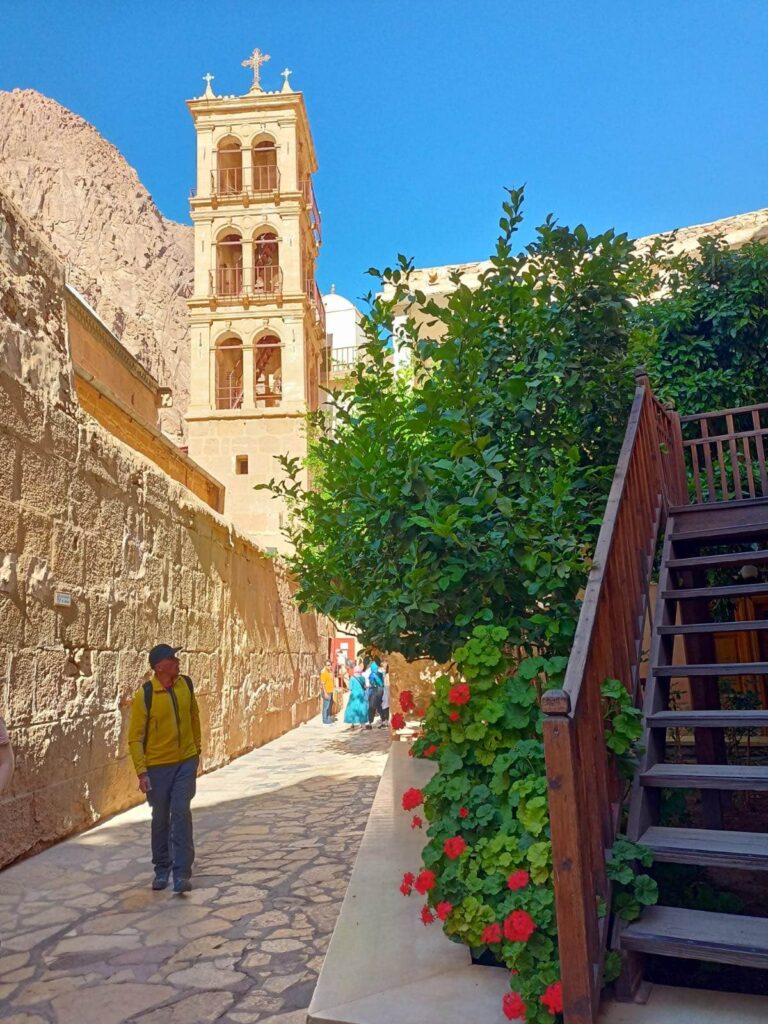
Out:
{"x": 148, "y": 691}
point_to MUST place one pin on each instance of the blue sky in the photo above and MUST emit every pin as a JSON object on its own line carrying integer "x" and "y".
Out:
{"x": 634, "y": 114}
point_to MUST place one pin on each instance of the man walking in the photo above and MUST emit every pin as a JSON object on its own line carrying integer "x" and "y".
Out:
{"x": 164, "y": 741}
{"x": 326, "y": 681}
{"x": 375, "y": 694}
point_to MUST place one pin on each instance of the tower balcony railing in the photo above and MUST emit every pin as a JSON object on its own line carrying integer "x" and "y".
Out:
{"x": 229, "y": 392}
{"x": 315, "y": 300}
{"x": 227, "y": 281}
{"x": 267, "y": 282}
{"x": 227, "y": 181}
{"x": 308, "y": 192}
{"x": 253, "y": 284}
{"x": 234, "y": 181}
{"x": 342, "y": 361}
{"x": 267, "y": 391}
{"x": 266, "y": 179}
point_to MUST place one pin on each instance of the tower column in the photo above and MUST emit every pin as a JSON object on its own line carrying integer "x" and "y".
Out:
{"x": 248, "y": 402}
{"x": 246, "y": 155}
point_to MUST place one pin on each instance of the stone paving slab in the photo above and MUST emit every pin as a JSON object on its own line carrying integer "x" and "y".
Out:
{"x": 83, "y": 939}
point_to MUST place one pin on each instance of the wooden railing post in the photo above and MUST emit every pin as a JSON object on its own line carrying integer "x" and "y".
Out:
{"x": 583, "y": 788}
{"x": 570, "y": 862}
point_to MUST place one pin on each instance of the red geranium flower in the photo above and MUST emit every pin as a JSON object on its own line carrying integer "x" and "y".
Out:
{"x": 416, "y": 821}
{"x": 443, "y": 909}
{"x": 459, "y": 694}
{"x": 430, "y": 750}
{"x": 518, "y": 880}
{"x": 519, "y": 926}
{"x": 425, "y": 881}
{"x": 513, "y": 1006}
{"x": 553, "y": 998}
{"x": 492, "y": 933}
{"x": 454, "y": 716}
{"x": 407, "y": 883}
{"x": 454, "y": 847}
{"x": 412, "y": 798}
{"x": 406, "y": 701}
{"x": 463, "y": 812}
{"x": 426, "y": 916}
{"x": 397, "y": 721}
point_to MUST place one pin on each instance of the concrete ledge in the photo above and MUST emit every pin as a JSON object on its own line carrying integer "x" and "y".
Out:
{"x": 382, "y": 963}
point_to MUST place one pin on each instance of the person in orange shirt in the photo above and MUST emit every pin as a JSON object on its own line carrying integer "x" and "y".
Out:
{"x": 326, "y": 682}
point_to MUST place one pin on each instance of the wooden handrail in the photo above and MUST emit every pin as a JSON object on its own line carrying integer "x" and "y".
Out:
{"x": 584, "y": 790}
{"x": 729, "y": 464}
{"x": 723, "y": 412}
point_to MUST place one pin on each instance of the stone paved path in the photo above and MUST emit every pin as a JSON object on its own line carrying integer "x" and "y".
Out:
{"x": 83, "y": 939}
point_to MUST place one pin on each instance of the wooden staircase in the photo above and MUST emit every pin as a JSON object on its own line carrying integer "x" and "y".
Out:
{"x": 700, "y": 580}
{"x": 702, "y": 482}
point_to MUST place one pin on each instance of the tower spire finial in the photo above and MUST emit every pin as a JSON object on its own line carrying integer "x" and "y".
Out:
{"x": 286, "y": 74}
{"x": 255, "y": 61}
{"x": 208, "y": 78}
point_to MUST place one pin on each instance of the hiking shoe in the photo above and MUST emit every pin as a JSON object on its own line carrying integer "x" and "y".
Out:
{"x": 182, "y": 885}
{"x": 160, "y": 881}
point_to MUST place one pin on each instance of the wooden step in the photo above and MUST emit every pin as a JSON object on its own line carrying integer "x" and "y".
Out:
{"x": 728, "y": 561}
{"x": 737, "y": 590}
{"x": 708, "y": 720}
{"x": 699, "y": 935}
{"x": 705, "y": 507}
{"x": 738, "y": 668}
{"x": 751, "y": 626}
{"x": 724, "y": 534}
{"x": 706, "y": 776}
{"x": 708, "y": 847}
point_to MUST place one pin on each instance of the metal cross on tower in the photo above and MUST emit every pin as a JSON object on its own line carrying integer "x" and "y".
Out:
{"x": 255, "y": 61}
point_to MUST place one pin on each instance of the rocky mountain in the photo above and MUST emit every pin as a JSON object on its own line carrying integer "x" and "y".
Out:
{"x": 131, "y": 264}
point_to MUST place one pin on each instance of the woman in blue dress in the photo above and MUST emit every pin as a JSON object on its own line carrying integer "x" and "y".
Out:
{"x": 357, "y": 706}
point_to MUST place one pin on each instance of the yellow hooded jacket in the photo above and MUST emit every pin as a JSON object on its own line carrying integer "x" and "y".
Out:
{"x": 174, "y": 726}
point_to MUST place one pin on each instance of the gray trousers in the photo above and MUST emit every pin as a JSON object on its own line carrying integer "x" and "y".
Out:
{"x": 173, "y": 786}
{"x": 375, "y": 696}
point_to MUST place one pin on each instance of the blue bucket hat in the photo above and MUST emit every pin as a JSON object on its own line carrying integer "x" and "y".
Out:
{"x": 160, "y": 652}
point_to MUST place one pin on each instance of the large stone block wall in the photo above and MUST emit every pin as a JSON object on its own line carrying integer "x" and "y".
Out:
{"x": 142, "y": 560}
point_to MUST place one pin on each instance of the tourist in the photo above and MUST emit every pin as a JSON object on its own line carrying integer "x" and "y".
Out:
{"x": 164, "y": 740}
{"x": 343, "y": 666}
{"x": 357, "y": 705}
{"x": 326, "y": 683}
{"x": 375, "y": 694}
{"x": 6, "y": 758}
{"x": 384, "y": 669}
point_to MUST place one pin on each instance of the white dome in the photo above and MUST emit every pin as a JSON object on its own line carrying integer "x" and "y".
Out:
{"x": 335, "y": 303}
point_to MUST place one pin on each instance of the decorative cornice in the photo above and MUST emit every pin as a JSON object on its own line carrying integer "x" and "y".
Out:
{"x": 81, "y": 311}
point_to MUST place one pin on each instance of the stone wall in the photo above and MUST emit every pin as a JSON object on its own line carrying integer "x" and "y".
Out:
{"x": 142, "y": 561}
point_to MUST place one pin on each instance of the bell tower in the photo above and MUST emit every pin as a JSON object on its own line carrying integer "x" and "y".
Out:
{"x": 257, "y": 322}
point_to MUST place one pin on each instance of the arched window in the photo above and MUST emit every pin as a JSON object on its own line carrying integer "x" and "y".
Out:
{"x": 229, "y": 372}
{"x": 267, "y": 276}
{"x": 229, "y": 168}
{"x": 266, "y": 177}
{"x": 267, "y": 372}
{"x": 229, "y": 265}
